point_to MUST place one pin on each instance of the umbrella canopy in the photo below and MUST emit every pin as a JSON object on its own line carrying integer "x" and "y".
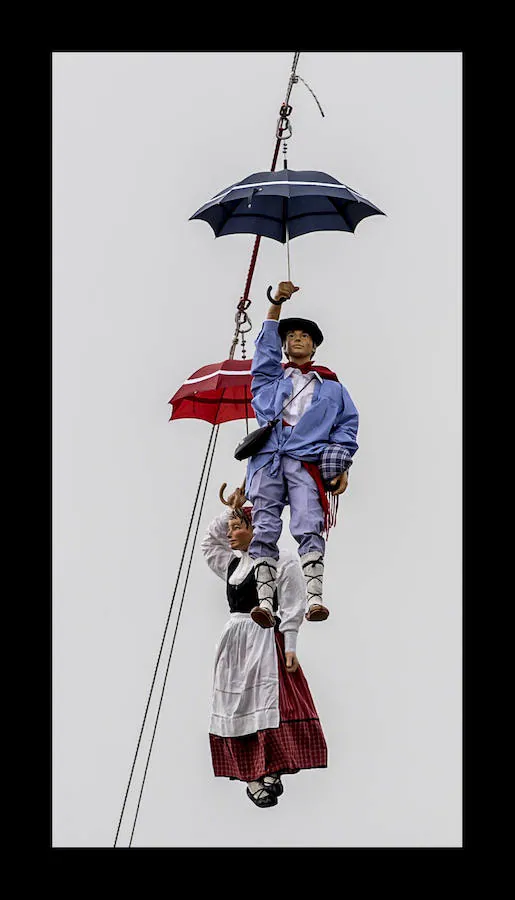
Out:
{"x": 283, "y": 205}
{"x": 219, "y": 392}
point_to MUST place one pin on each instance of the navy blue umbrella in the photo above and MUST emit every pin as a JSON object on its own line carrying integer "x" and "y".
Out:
{"x": 285, "y": 204}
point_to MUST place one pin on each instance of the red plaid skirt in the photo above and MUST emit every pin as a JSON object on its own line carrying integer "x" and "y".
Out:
{"x": 298, "y": 742}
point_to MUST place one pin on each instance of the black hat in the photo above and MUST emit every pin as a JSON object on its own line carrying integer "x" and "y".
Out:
{"x": 296, "y": 324}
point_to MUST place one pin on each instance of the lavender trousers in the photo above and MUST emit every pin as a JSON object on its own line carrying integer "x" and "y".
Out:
{"x": 269, "y": 494}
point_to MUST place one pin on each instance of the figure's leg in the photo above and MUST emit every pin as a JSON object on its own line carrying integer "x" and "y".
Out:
{"x": 313, "y": 568}
{"x": 268, "y": 497}
{"x": 306, "y": 526}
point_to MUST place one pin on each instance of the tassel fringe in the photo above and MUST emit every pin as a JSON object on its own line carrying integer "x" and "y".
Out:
{"x": 329, "y": 501}
{"x": 331, "y": 513}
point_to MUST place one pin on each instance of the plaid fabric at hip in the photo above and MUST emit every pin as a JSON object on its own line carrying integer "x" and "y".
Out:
{"x": 334, "y": 460}
{"x": 298, "y": 742}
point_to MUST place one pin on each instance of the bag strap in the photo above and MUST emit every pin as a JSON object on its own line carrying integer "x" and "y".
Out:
{"x": 274, "y": 421}
{"x": 297, "y": 394}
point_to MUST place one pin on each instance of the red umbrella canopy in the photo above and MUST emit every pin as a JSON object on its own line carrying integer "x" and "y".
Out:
{"x": 219, "y": 392}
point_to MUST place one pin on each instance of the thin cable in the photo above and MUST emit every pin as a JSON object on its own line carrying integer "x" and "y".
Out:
{"x": 299, "y": 78}
{"x": 164, "y": 636}
{"x": 174, "y": 636}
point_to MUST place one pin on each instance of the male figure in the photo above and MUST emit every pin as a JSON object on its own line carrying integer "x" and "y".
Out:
{"x": 320, "y": 418}
{"x": 263, "y": 720}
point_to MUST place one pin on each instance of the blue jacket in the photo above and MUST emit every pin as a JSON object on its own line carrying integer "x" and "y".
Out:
{"x": 331, "y": 417}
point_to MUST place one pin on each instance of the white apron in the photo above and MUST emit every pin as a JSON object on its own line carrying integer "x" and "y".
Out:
{"x": 246, "y": 681}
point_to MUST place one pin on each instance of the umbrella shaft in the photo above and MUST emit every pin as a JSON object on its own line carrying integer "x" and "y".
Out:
{"x": 288, "y": 250}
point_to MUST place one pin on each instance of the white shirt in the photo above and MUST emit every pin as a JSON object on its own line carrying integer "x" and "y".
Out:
{"x": 300, "y": 404}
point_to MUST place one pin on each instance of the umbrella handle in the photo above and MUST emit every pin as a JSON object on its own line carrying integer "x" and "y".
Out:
{"x": 275, "y": 302}
{"x": 223, "y": 487}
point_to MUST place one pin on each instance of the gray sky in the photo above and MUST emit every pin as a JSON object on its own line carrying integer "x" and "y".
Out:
{"x": 141, "y": 298}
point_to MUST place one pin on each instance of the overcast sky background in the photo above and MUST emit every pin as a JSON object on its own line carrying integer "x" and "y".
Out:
{"x": 141, "y": 298}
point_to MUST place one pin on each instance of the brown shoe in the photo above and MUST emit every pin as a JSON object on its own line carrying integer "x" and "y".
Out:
{"x": 317, "y": 613}
{"x": 262, "y": 616}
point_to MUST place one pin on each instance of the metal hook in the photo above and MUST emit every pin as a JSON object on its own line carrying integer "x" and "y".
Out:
{"x": 223, "y": 487}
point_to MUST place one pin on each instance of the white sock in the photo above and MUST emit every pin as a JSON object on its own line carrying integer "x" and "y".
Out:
{"x": 266, "y": 604}
{"x": 265, "y": 573}
{"x": 313, "y": 568}
{"x": 271, "y": 779}
{"x": 254, "y": 786}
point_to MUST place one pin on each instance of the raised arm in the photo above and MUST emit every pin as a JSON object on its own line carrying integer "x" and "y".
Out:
{"x": 284, "y": 291}
{"x": 215, "y": 546}
{"x": 266, "y": 363}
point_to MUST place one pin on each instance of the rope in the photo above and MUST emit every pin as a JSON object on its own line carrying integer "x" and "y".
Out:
{"x": 292, "y": 76}
{"x": 174, "y": 634}
{"x": 253, "y": 258}
{"x": 164, "y": 634}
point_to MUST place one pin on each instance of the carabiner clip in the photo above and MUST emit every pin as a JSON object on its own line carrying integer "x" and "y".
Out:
{"x": 281, "y": 128}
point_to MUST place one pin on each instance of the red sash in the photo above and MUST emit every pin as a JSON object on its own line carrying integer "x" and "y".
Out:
{"x": 329, "y": 501}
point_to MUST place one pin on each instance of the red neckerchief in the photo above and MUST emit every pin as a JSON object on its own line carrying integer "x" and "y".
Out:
{"x": 310, "y": 367}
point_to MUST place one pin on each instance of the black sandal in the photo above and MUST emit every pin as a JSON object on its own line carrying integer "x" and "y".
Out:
{"x": 263, "y": 797}
{"x": 275, "y": 787}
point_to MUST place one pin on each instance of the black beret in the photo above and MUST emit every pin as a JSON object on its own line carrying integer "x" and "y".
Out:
{"x": 296, "y": 324}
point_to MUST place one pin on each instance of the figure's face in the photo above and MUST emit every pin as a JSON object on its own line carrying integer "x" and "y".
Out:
{"x": 298, "y": 344}
{"x": 239, "y": 534}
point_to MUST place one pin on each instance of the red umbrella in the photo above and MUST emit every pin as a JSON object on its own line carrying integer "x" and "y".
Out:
{"x": 219, "y": 392}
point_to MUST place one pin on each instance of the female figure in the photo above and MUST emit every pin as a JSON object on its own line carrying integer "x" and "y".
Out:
{"x": 263, "y": 723}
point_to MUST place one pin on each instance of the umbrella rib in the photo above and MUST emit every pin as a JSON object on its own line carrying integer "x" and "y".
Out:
{"x": 341, "y": 212}
{"x": 257, "y": 215}
{"x": 313, "y": 214}
{"x": 227, "y": 215}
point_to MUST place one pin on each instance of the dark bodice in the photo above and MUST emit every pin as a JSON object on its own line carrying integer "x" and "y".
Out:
{"x": 243, "y": 597}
